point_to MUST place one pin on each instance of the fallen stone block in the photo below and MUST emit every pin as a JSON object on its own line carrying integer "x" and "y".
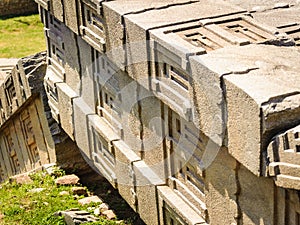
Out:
{"x": 91, "y": 199}
{"x": 67, "y": 180}
{"x": 21, "y": 179}
{"x": 75, "y": 216}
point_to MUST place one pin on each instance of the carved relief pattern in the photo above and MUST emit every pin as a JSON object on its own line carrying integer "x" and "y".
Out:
{"x": 284, "y": 156}
{"x": 220, "y": 33}
{"x": 187, "y": 175}
{"x": 11, "y": 95}
{"x": 30, "y": 138}
{"x": 11, "y": 151}
{"x": 92, "y": 28}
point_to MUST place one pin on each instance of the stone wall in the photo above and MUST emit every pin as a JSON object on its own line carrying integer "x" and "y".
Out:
{"x": 17, "y": 7}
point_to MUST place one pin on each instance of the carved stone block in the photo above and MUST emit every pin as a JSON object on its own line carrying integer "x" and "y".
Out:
{"x": 66, "y": 95}
{"x": 101, "y": 138}
{"x": 81, "y": 111}
{"x": 174, "y": 210}
{"x": 283, "y": 158}
{"x": 146, "y": 183}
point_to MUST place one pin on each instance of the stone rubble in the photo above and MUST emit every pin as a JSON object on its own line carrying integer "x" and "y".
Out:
{"x": 67, "y": 180}
{"x": 90, "y": 199}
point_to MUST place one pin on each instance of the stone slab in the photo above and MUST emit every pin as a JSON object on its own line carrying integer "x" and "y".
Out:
{"x": 81, "y": 110}
{"x": 263, "y": 109}
{"x": 65, "y": 96}
{"x": 71, "y": 15}
{"x": 101, "y": 137}
{"x": 146, "y": 183}
{"x": 87, "y": 86}
{"x": 171, "y": 203}
{"x": 57, "y": 9}
{"x": 125, "y": 158}
{"x": 72, "y": 65}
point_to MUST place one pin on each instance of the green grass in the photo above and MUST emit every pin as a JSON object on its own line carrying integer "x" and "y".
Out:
{"x": 21, "y": 36}
{"x": 22, "y": 207}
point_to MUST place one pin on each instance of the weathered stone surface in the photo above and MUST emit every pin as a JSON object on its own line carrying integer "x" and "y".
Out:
{"x": 67, "y": 180}
{"x": 256, "y": 202}
{"x": 221, "y": 193}
{"x": 81, "y": 111}
{"x": 86, "y": 84}
{"x": 70, "y": 12}
{"x": 146, "y": 183}
{"x": 114, "y": 13}
{"x": 124, "y": 172}
{"x": 91, "y": 199}
{"x": 65, "y": 95}
{"x": 270, "y": 107}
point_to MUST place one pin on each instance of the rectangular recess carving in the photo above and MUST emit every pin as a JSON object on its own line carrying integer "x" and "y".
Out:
{"x": 293, "y": 30}
{"x": 284, "y": 157}
{"x": 27, "y": 130}
{"x": 107, "y": 87}
{"x": 10, "y": 93}
{"x": 56, "y": 46}
{"x": 186, "y": 149}
{"x": 171, "y": 84}
{"x": 14, "y": 160}
{"x": 92, "y": 24}
{"x": 218, "y": 33}
{"x": 103, "y": 155}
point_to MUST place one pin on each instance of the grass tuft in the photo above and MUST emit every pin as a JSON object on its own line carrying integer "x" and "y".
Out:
{"x": 21, "y": 36}
{"x": 20, "y": 206}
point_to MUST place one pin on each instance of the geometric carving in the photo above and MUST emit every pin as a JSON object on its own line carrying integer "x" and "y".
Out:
{"x": 56, "y": 46}
{"x": 92, "y": 28}
{"x": 177, "y": 76}
{"x": 10, "y": 93}
{"x": 14, "y": 161}
{"x": 171, "y": 85}
{"x": 103, "y": 155}
{"x": 284, "y": 158}
{"x": 292, "y": 30}
{"x": 218, "y": 33}
{"x": 30, "y": 138}
{"x": 107, "y": 89}
{"x": 187, "y": 178}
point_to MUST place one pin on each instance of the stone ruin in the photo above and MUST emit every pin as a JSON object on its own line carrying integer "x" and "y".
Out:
{"x": 191, "y": 109}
